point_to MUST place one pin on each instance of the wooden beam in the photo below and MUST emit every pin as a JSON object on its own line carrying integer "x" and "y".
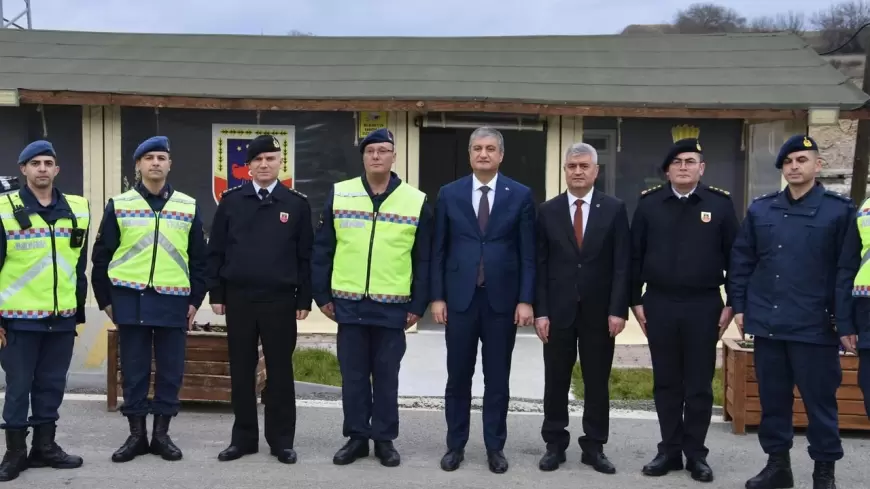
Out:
{"x": 94, "y": 98}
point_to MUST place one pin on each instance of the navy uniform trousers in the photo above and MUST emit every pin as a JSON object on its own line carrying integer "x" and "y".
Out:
{"x": 36, "y": 365}
{"x": 369, "y": 358}
{"x": 135, "y": 343}
{"x": 497, "y": 334}
{"x": 682, "y": 331}
{"x": 815, "y": 369}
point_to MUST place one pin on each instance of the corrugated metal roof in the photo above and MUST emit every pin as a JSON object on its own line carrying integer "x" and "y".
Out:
{"x": 715, "y": 71}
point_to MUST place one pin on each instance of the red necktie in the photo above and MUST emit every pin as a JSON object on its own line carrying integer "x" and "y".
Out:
{"x": 578, "y": 222}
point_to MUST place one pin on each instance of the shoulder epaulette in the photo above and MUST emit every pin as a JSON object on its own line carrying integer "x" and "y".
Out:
{"x": 297, "y": 193}
{"x": 720, "y": 191}
{"x": 650, "y": 190}
{"x": 766, "y": 196}
{"x": 230, "y": 190}
{"x": 844, "y": 198}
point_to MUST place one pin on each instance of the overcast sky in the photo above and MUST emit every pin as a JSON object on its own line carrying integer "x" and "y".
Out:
{"x": 373, "y": 17}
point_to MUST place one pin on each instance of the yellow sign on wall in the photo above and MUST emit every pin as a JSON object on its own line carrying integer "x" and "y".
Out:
{"x": 370, "y": 121}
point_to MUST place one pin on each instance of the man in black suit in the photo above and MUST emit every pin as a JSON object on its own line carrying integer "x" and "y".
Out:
{"x": 584, "y": 258}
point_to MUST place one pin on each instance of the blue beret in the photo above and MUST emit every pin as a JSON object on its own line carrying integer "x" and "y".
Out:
{"x": 382, "y": 135}
{"x": 34, "y": 149}
{"x": 688, "y": 145}
{"x": 794, "y": 144}
{"x": 157, "y": 143}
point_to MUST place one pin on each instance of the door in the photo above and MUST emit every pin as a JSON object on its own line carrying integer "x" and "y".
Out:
{"x": 444, "y": 158}
{"x": 603, "y": 140}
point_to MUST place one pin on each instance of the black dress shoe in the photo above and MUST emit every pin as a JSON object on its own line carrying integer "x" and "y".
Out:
{"x": 284, "y": 455}
{"x": 235, "y": 452}
{"x": 451, "y": 460}
{"x": 498, "y": 464}
{"x": 598, "y": 461}
{"x": 663, "y": 464}
{"x": 387, "y": 454}
{"x": 551, "y": 460}
{"x": 355, "y": 448}
{"x": 700, "y": 470}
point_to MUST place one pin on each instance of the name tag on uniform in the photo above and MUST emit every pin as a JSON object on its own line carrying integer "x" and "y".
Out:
{"x": 705, "y": 216}
{"x": 29, "y": 245}
{"x": 136, "y": 222}
{"x": 173, "y": 224}
{"x": 351, "y": 223}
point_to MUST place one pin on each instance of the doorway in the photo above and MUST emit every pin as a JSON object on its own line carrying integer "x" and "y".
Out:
{"x": 603, "y": 141}
{"x": 444, "y": 158}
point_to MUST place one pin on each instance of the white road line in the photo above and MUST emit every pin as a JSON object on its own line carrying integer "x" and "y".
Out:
{"x": 614, "y": 413}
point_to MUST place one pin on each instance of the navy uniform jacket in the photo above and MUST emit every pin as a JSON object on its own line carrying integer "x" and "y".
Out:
{"x": 57, "y": 209}
{"x": 681, "y": 248}
{"x": 793, "y": 265}
{"x": 261, "y": 249}
{"x": 366, "y": 311}
{"x": 146, "y": 307}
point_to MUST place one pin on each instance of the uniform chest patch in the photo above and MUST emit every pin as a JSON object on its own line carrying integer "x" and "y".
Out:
{"x": 351, "y": 223}
{"x": 29, "y": 245}
{"x": 284, "y": 217}
{"x": 705, "y": 216}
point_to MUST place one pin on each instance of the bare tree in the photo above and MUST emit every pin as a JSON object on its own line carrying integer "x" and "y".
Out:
{"x": 840, "y": 21}
{"x": 790, "y": 22}
{"x": 703, "y": 18}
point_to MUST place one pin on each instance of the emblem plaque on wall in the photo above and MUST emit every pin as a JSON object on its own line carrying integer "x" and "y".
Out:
{"x": 229, "y": 144}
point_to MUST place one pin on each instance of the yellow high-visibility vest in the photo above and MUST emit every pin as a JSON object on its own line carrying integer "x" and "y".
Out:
{"x": 373, "y": 249}
{"x": 862, "y": 279}
{"x": 38, "y": 278}
{"x": 153, "y": 250}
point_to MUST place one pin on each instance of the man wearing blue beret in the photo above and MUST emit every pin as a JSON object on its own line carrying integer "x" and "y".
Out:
{"x": 792, "y": 269}
{"x": 370, "y": 272}
{"x": 148, "y": 277}
{"x": 43, "y": 287}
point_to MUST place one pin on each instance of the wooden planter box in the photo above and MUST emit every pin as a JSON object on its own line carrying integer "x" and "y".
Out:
{"x": 743, "y": 407}
{"x": 206, "y": 369}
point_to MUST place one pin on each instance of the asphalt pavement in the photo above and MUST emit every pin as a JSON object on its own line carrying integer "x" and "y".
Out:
{"x": 88, "y": 430}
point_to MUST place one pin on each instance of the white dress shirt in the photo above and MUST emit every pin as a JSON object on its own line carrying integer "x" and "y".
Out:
{"x": 476, "y": 193}
{"x": 679, "y": 195}
{"x": 585, "y": 202}
{"x": 270, "y": 188}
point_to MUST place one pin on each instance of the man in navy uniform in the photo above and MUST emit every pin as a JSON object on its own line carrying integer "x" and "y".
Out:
{"x": 681, "y": 243}
{"x": 259, "y": 276}
{"x": 43, "y": 252}
{"x": 370, "y": 275}
{"x": 792, "y": 269}
{"x": 148, "y": 277}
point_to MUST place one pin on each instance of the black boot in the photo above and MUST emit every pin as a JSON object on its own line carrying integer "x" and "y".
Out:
{"x": 775, "y": 475}
{"x": 137, "y": 442}
{"x": 45, "y": 452}
{"x": 823, "y": 476}
{"x": 15, "y": 459}
{"x": 161, "y": 444}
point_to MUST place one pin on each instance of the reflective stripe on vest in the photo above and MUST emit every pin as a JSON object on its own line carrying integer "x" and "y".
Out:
{"x": 38, "y": 278}
{"x": 862, "y": 279}
{"x": 153, "y": 249}
{"x": 384, "y": 238}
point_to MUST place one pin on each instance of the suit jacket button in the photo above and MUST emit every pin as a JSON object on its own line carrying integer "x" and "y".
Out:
{"x": 579, "y": 265}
